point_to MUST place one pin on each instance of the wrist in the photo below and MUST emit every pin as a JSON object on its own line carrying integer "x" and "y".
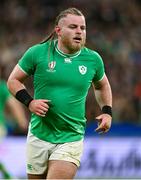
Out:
{"x": 24, "y": 97}
{"x": 107, "y": 110}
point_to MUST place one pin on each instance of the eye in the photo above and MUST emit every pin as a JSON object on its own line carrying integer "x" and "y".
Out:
{"x": 72, "y": 26}
{"x": 83, "y": 27}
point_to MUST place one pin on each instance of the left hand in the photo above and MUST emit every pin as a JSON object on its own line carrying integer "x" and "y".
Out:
{"x": 104, "y": 123}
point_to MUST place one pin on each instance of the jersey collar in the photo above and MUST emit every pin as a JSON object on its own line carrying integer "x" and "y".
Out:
{"x": 65, "y": 54}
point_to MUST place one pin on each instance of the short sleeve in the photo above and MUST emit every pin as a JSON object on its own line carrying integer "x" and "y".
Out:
{"x": 26, "y": 62}
{"x": 100, "y": 71}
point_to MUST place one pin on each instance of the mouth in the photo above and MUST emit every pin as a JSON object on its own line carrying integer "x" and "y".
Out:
{"x": 77, "y": 39}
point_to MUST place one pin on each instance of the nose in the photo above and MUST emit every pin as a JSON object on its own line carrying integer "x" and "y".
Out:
{"x": 78, "y": 30}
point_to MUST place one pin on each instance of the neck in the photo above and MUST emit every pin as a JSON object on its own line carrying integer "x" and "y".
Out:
{"x": 65, "y": 50}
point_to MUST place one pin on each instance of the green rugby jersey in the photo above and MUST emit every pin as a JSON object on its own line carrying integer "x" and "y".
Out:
{"x": 64, "y": 79}
{"x": 4, "y": 95}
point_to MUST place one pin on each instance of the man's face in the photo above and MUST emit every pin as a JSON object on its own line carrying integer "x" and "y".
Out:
{"x": 71, "y": 32}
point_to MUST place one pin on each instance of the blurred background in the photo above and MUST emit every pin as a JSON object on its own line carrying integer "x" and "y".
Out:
{"x": 114, "y": 31}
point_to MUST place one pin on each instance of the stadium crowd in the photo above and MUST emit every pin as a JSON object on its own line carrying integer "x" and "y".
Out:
{"x": 113, "y": 29}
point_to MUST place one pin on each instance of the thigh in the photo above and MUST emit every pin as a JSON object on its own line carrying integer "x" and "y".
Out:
{"x": 37, "y": 157}
{"x": 70, "y": 152}
{"x": 65, "y": 160}
{"x": 58, "y": 169}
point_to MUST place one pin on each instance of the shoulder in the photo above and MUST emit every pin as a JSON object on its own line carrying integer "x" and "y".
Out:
{"x": 91, "y": 53}
{"x": 36, "y": 50}
{"x": 39, "y": 46}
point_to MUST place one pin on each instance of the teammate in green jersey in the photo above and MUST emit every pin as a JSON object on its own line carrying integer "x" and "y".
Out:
{"x": 7, "y": 100}
{"x": 63, "y": 70}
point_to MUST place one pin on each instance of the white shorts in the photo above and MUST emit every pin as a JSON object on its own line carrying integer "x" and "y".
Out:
{"x": 39, "y": 152}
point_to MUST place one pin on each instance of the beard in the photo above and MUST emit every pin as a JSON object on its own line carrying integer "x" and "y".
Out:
{"x": 72, "y": 45}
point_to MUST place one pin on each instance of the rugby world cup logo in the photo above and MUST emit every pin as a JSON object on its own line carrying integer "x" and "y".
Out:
{"x": 52, "y": 64}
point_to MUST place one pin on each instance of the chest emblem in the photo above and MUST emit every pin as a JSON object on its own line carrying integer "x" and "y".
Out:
{"x": 82, "y": 69}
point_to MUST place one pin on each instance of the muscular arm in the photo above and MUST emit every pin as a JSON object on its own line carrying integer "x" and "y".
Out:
{"x": 103, "y": 92}
{"x": 16, "y": 79}
{"x": 15, "y": 84}
{"x": 103, "y": 96}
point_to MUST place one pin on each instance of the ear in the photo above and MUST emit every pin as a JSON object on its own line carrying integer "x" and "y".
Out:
{"x": 57, "y": 30}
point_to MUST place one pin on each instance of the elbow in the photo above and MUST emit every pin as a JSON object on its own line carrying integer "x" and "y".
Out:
{"x": 9, "y": 83}
{"x": 14, "y": 85}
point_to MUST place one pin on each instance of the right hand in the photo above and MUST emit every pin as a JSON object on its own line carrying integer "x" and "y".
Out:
{"x": 39, "y": 107}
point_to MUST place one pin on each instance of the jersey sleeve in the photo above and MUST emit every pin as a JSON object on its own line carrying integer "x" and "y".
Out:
{"x": 26, "y": 62}
{"x": 100, "y": 71}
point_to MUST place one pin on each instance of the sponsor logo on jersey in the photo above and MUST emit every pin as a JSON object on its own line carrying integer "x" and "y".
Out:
{"x": 82, "y": 69}
{"x": 51, "y": 66}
